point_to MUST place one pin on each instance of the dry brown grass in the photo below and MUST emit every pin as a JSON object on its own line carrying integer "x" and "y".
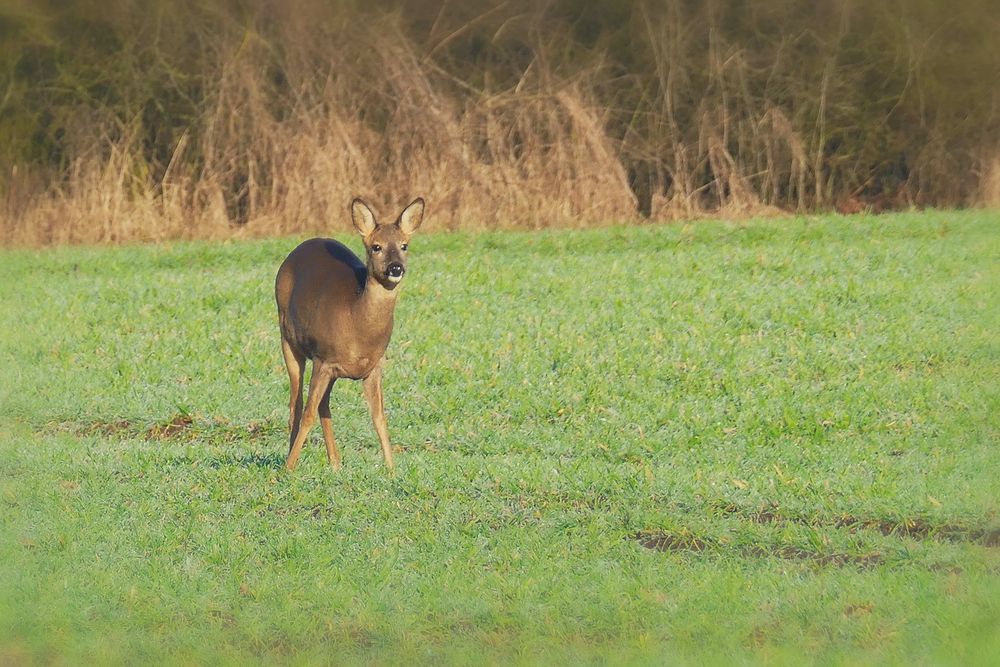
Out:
{"x": 535, "y": 156}
{"x": 292, "y": 109}
{"x": 990, "y": 183}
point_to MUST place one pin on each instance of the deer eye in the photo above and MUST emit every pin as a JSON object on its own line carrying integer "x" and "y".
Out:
{"x": 403, "y": 247}
{"x": 376, "y": 248}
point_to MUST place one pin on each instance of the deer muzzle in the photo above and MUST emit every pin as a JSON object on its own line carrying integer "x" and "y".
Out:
{"x": 395, "y": 272}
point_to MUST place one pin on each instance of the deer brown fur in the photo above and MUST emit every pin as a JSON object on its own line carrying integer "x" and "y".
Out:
{"x": 338, "y": 311}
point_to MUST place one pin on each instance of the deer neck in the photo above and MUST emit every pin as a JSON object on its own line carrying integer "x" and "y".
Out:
{"x": 375, "y": 305}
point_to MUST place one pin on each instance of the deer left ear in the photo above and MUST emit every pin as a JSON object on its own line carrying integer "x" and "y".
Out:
{"x": 412, "y": 216}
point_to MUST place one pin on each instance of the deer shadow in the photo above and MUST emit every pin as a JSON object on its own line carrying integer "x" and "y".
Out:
{"x": 272, "y": 460}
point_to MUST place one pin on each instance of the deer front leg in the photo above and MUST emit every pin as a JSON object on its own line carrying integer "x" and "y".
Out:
{"x": 373, "y": 395}
{"x": 332, "y": 453}
{"x": 321, "y": 378}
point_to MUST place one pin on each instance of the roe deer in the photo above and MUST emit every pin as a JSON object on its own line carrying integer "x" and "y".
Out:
{"x": 337, "y": 310}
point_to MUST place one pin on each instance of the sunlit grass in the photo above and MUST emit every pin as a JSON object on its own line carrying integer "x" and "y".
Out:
{"x": 706, "y": 442}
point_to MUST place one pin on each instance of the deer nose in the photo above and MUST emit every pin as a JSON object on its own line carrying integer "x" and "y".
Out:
{"x": 395, "y": 270}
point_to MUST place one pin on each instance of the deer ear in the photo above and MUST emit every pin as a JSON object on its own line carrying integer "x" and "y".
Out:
{"x": 364, "y": 219}
{"x": 412, "y": 216}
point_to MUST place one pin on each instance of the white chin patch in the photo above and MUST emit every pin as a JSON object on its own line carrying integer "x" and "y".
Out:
{"x": 394, "y": 279}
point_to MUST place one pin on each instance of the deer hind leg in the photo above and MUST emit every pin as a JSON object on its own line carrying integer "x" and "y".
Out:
{"x": 296, "y": 364}
{"x": 332, "y": 453}
{"x": 322, "y": 375}
{"x": 373, "y": 395}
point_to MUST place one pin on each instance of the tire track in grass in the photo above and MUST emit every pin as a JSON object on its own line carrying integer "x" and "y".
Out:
{"x": 914, "y": 527}
{"x": 663, "y": 541}
{"x": 180, "y": 427}
{"x": 770, "y": 514}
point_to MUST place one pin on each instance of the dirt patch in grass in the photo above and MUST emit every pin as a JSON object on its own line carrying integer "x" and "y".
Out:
{"x": 914, "y": 527}
{"x": 315, "y": 511}
{"x": 660, "y": 541}
{"x": 796, "y": 553}
{"x": 671, "y": 542}
{"x": 110, "y": 428}
{"x": 991, "y": 538}
{"x": 171, "y": 429}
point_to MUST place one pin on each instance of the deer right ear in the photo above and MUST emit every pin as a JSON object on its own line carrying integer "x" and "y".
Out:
{"x": 364, "y": 219}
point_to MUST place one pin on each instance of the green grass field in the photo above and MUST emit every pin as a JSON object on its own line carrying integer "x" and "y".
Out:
{"x": 715, "y": 442}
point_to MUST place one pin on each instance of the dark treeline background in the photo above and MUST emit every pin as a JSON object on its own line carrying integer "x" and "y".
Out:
{"x": 143, "y": 119}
